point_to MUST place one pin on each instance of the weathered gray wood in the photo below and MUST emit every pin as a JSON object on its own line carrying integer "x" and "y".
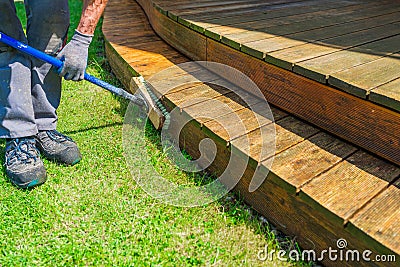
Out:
{"x": 361, "y": 79}
{"x": 321, "y": 67}
{"x": 387, "y": 95}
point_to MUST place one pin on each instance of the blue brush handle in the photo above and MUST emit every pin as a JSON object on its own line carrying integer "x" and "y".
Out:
{"x": 58, "y": 64}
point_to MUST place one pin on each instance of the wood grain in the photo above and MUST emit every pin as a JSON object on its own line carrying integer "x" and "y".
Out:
{"x": 351, "y": 184}
{"x": 380, "y": 218}
{"x": 369, "y": 75}
{"x": 356, "y": 120}
{"x": 320, "y": 68}
{"x": 291, "y": 53}
{"x": 387, "y": 94}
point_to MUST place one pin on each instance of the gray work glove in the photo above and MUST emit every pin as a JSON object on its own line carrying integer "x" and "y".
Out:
{"x": 75, "y": 56}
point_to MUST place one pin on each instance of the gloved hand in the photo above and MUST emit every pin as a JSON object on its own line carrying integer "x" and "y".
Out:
{"x": 75, "y": 56}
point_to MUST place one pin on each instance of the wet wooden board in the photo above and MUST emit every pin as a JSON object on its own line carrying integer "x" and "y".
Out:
{"x": 238, "y": 34}
{"x": 242, "y": 7}
{"x": 289, "y": 132}
{"x": 286, "y": 8}
{"x": 235, "y": 124}
{"x": 238, "y": 30}
{"x": 211, "y": 25}
{"x": 203, "y": 111}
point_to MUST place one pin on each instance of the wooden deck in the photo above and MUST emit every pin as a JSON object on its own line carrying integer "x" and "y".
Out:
{"x": 320, "y": 188}
{"x": 332, "y": 63}
{"x": 341, "y": 43}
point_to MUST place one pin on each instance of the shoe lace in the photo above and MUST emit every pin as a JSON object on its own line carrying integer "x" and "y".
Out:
{"x": 23, "y": 150}
{"x": 57, "y": 136}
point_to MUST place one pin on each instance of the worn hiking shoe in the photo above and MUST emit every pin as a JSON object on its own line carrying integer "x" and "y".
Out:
{"x": 23, "y": 165}
{"x": 58, "y": 147}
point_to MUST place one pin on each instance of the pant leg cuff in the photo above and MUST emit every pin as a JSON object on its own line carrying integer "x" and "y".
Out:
{"x": 20, "y": 134}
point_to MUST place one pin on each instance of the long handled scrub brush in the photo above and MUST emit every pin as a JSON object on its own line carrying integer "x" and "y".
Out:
{"x": 143, "y": 97}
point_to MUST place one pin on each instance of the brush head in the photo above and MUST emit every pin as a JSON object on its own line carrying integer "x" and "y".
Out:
{"x": 144, "y": 92}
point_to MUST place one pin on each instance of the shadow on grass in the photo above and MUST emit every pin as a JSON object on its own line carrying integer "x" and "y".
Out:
{"x": 110, "y": 125}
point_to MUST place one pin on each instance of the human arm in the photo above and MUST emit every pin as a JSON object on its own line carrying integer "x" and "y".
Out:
{"x": 91, "y": 13}
{"x": 75, "y": 53}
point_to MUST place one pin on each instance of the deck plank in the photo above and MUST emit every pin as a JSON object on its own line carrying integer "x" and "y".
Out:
{"x": 303, "y": 162}
{"x": 290, "y": 53}
{"x": 241, "y": 7}
{"x": 359, "y": 80}
{"x": 380, "y": 218}
{"x": 321, "y": 67}
{"x": 351, "y": 184}
{"x": 285, "y": 15}
{"x": 232, "y": 101}
{"x": 212, "y": 25}
{"x": 387, "y": 94}
{"x": 240, "y": 30}
{"x": 235, "y": 124}
{"x": 289, "y": 132}
{"x": 344, "y": 17}
{"x": 337, "y": 112}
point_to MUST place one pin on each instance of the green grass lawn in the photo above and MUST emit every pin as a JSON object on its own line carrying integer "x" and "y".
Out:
{"x": 94, "y": 214}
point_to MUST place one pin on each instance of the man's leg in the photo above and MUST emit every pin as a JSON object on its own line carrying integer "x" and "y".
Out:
{"x": 47, "y": 31}
{"x": 17, "y": 122}
{"x": 16, "y": 109}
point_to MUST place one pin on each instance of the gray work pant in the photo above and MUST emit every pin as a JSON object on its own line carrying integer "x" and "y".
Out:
{"x": 30, "y": 90}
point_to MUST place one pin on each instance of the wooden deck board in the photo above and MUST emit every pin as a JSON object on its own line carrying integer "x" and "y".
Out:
{"x": 233, "y": 103}
{"x": 351, "y": 184}
{"x": 387, "y": 94}
{"x": 280, "y": 10}
{"x": 286, "y": 15}
{"x": 321, "y": 67}
{"x": 243, "y": 7}
{"x": 211, "y": 25}
{"x": 297, "y": 31}
{"x": 289, "y": 132}
{"x": 380, "y": 217}
{"x": 303, "y": 162}
{"x": 290, "y": 52}
{"x": 359, "y": 80}
{"x": 318, "y": 104}
{"x": 306, "y": 158}
{"x": 331, "y": 22}
{"x": 228, "y": 126}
